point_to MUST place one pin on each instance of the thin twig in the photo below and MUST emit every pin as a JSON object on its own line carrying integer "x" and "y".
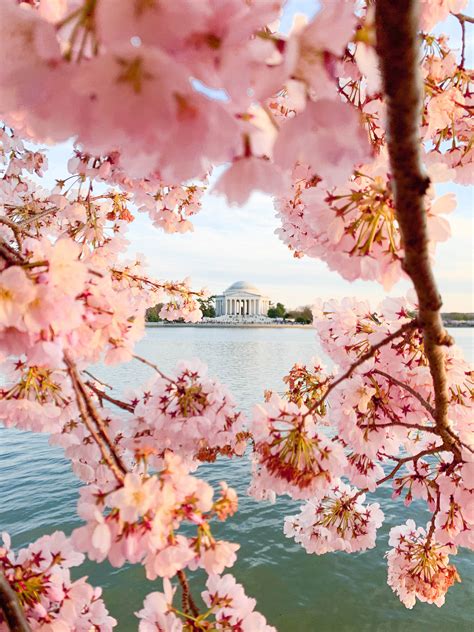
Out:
{"x": 187, "y": 600}
{"x": 431, "y": 429}
{"x": 153, "y": 366}
{"x": 435, "y": 513}
{"x": 409, "y": 389}
{"x": 96, "y": 379}
{"x": 11, "y": 608}
{"x": 412, "y": 324}
{"x": 400, "y": 462}
{"x": 85, "y": 406}
{"x": 103, "y": 395}
{"x": 462, "y": 17}
{"x": 406, "y": 459}
{"x": 33, "y": 218}
{"x": 15, "y": 230}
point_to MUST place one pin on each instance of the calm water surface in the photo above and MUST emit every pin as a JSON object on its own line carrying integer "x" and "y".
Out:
{"x": 296, "y": 592}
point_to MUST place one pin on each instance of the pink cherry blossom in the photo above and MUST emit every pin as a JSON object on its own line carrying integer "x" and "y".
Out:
{"x": 327, "y": 137}
{"x": 338, "y": 522}
{"x": 418, "y": 568}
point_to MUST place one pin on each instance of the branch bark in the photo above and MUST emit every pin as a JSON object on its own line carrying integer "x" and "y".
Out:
{"x": 94, "y": 423}
{"x": 103, "y": 395}
{"x": 11, "y": 608}
{"x": 398, "y": 50}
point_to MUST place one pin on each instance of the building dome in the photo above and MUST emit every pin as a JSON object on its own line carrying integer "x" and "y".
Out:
{"x": 242, "y": 300}
{"x": 243, "y": 285}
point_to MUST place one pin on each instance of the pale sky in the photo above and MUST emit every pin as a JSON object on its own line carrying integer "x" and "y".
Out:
{"x": 234, "y": 244}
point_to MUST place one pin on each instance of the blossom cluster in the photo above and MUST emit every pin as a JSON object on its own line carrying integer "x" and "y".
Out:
{"x": 373, "y": 423}
{"x": 198, "y": 74}
{"x": 338, "y": 522}
{"x": 137, "y": 519}
{"x": 40, "y": 575}
{"x": 351, "y": 224}
{"x": 418, "y": 567}
{"x": 353, "y": 227}
{"x": 154, "y": 95}
{"x": 61, "y": 253}
{"x": 228, "y": 608}
{"x": 292, "y": 455}
{"x": 189, "y": 413}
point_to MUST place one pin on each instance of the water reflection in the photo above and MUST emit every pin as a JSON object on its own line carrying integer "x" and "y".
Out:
{"x": 296, "y": 592}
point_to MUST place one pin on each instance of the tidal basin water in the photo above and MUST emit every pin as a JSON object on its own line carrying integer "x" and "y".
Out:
{"x": 295, "y": 591}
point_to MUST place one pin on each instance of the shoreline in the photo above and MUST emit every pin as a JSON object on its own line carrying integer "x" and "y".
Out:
{"x": 232, "y": 325}
{"x": 261, "y": 325}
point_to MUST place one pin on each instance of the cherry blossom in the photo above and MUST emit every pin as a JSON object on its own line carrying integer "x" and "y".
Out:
{"x": 158, "y": 99}
{"x": 338, "y": 522}
{"x": 229, "y": 608}
{"x": 40, "y": 576}
{"x": 293, "y": 456}
{"x": 419, "y": 568}
{"x": 189, "y": 413}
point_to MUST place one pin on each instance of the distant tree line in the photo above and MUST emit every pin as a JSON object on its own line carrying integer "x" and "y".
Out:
{"x": 301, "y": 315}
{"x": 458, "y": 316}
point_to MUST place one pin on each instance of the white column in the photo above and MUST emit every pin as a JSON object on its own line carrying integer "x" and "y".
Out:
{"x": 253, "y": 307}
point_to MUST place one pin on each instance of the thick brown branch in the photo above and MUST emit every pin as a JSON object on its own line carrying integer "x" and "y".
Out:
{"x": 398, "y": 50}
{"x": 9, "y": 254}
{"x": 11, "y": 608}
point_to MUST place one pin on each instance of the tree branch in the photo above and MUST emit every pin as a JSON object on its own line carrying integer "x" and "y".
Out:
{"x": 406, "y": 459}
{"x": 398, "y": 50}
{"x": 464, "y": 18}
{"x": 409, "y": 389}
{"x": 152, "y": 366}
{"x": 11, "y": 608}
{"x": 188, "y": 602}
{"x": 412, "y": 324}
{"x": 90, "y": 416}
{"x": 103, "y": 395}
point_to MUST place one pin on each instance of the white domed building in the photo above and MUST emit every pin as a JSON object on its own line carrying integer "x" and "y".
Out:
{"x": 243, "y": 300}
